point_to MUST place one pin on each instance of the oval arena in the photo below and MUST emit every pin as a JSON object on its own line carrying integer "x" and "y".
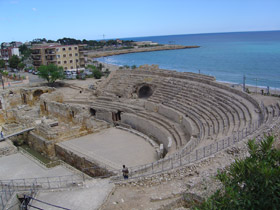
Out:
{"x": 152, "y": 120}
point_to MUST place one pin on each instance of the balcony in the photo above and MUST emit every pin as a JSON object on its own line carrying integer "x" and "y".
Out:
{"x": 36, "y": 57}
{"x": 36, "y": 52}
{"x": 37, "y": 63}
{"x": 49, "y": 52}
{"x": 50, "y": 57}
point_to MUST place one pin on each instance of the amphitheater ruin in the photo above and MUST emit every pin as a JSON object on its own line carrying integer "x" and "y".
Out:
{"x": 164, "y": 125}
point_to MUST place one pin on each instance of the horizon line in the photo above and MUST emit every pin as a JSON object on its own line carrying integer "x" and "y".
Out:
{"x": 278, "y": 30}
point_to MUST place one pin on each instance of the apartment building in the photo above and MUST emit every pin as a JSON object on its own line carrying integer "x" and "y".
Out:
{"x": 7, "y": 53}
{"x": 67, "y": 56}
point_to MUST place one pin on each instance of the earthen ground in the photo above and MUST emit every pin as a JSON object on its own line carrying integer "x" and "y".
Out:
{"x": 114, "y": 147}
{"x": 91, "y": 196}
{"x": 18, "y": 166}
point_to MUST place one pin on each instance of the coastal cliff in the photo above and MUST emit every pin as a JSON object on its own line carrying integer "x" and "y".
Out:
{"x": 97, "y": 54}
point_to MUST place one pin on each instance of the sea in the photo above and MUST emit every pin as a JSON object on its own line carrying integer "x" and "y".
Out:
{"x": 227, "y": 56}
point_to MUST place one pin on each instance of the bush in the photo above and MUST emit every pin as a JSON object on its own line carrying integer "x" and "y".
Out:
{"x": 97, "y": 74}
{"x": 252, "y": 183}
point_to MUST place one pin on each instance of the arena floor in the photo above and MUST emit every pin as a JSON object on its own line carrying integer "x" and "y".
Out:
{"x": 114, "y": 147}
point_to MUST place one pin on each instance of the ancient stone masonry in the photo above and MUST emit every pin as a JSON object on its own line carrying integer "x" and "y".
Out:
{"x": 183, "y": 104}
{"x": 180, "y": 112}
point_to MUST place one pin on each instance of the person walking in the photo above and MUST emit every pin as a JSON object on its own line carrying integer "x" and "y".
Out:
{"x": 2, "y": 135}
{"x": 125, "y": 172}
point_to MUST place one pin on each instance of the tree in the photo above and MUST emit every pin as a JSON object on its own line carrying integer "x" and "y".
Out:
{"x": 25, "y": 51}
{"x": 21, "y": 65}
{"x": 14, "y": 61}
{"x": 51, "y": 73}
{"x": 133, "y": 67}
{"x": 2, "y": 64}
{"x": 252, "y": 183}
{"x": 97, "y": 74}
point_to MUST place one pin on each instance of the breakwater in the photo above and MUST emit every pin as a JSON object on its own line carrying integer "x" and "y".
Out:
{"x": 97, "y": 54}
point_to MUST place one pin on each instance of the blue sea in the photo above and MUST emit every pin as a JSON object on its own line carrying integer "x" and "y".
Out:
{"x": 227, "y": 56}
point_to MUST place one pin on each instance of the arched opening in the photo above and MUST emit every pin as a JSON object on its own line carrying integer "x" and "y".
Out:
{"x": 24, "y": 99}
{"x": 37, "y": 93}
{"x": 0, "y": 104}
{"x": 92, "y": 111}
{"x": 45, "y": 106}
{"x": 145, "y": 91}
{"x": 116, "y": 116}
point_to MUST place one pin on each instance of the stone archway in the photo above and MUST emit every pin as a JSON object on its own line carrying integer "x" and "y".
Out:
{"x": 92, "y": 111}
{"x": 145, "y": 91}
{"x": 37, "y": 93}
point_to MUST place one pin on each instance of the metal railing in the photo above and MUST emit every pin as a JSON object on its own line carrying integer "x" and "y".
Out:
{"x": 8, "y": 187}
{"x": 189, "y": 155}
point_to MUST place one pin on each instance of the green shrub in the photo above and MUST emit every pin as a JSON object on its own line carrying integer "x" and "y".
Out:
{"x": 97, "y": 74}
{"x": 252, "y": 183}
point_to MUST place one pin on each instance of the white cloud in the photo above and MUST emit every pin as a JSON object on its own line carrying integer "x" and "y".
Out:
{"x": 34, "y": 9}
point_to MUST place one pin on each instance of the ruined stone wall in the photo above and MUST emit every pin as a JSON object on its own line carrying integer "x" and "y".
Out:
{"x": 147, "y": 127}
{"x": 31, "y": 96}
{"x": 40, "y": 144}
{"x": 79, "y": 162}
{"x": 9, "y": 100}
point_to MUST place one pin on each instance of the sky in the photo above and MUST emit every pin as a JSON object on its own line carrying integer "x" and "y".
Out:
{"x": 25, "y": 20}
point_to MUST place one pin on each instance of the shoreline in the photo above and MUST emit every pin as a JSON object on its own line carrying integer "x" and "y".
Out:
{"x": 98, "y": 54}
{"x": 252, "y": 88}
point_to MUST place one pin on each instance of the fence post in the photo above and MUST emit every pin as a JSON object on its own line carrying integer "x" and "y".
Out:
{"x": 180, "y": 160}
{"x": 48, "y": 182}
{"x": 59, "y": 182}
{"x": 203, "y": 152}
{"x": 2, "y": 202}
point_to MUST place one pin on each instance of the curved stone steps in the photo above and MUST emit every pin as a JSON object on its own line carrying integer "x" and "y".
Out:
{"x": 246, "y": 114}
{"x": 192, "y": 116}
{"x": 237, "y": 109}
{"x": 198, "y": 124}
{"x": 167, "y": 124}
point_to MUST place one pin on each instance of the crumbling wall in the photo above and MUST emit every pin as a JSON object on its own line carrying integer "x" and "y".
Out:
{"x": 31, "y": 96}
{"x": 81, "y": 163}
{"x": 40, "y": 144}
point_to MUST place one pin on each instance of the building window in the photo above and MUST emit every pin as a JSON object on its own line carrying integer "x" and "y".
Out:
{"x": 76, "y": 54}
{"x": 65, "y": 62}
{"x": 76, "y": 48}
{"x": 70, "y": 54}
{"x": 63, "y": 49}
{"x": 64, "y": 55}
{"x": 71, "y": 67}
{"x": 65, "y": 68}
{"x": 58, "y": 62}
{"x": 57, "y": 49}
{"x": 57, "y": 56}
{"x": 71, "y": 61}
{"x": 69, "y": 48}
{"x": 77, "y": 60}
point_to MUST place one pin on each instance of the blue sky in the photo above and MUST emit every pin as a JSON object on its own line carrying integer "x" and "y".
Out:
{"x": 24, "y": 20}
